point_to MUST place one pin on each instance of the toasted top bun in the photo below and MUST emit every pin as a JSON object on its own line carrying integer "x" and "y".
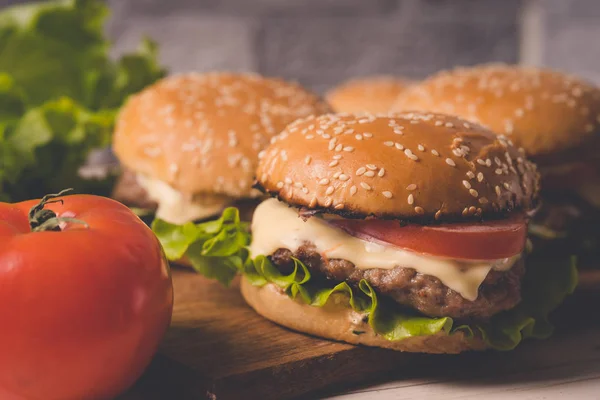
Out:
{"x": 409, "y": 166}
{"x": 339, "y": 322}
{"x": 201, "y": 133}
{"x": 374, "y": 94}
{"x": 544, "y": 111}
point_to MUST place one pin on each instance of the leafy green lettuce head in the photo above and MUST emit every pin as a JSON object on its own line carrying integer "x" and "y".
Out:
{"x": 219, "y": 249}
{"x": 59, "y": 93}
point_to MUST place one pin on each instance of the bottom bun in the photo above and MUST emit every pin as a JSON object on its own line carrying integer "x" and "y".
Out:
{"x": 337, "y": 321}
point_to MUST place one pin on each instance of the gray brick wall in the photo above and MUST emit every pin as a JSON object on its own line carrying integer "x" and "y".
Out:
{"x": 320, "y": 42}
{"x": 572, "y": 36}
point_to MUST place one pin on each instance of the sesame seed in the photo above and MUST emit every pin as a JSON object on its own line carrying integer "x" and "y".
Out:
{"x": 435, "y": 153}
{"x": 328, "y": 202}
{"x": 467, "y": 126}
{"x": 465, "y": 212}
{"x": 399, "y": 146}
{"x": 497, "y": 161}
{"x": 483, "y": 200}
{"x": 388, "y": 144}
{"x": 288, "y": 181}
{"x": 333, "y": 163}
{"x": 473, "y": 192}
{"x": 498, "y": 192}
{"x": 519, "y": 112}
{"x": 337, "y": 157}
{"x": 419, "y": 210}
{"x": 339, "y": 147}
{"x": 438, "y": 123}
{"x": 358, "y": 136}
{"x": 313, "y": 202}
{"x": 324, "y": 182}
{"x": 450, "y": 162}
{"x": 279, "y": 185}
{"x": 506, "y": 185}
{"x": 365, "y": 186}
{"x": 449, "y": 125}
{"x": 480, "y": 161}
{"x": 438, "y": 214}
{"x": 329, "y": 190}
{"x": 367, "y": 134}
{"x": 480, "y": 177}
{"x": 326, "y": 136}
{"x": 337, "y": 174}
{"x": 305, "y": 190}
{"x": 261, "y": 154}
{"x": 339, "y": 206}
{"x": 343, "y": 177}
{"x": 410, "y": 154}
{"x": 420, "y": 147}
{"x": 372, "y": 167}
{"x": 470, "y": 174}
{"x": 298, "y": 185}
{"x": 332, "y": 144}
{"x": 308, "y": 137}
{"x": 488, "y": 162}
{"x": 307, "y": 160}
{"x": 411, "y": 199}
{"x": 498, "y": 171}
{"x": 360, "y": 171}
{"x": 381, "y": 172}
{"x": 387, "y": 194}
{"x": 411, "y": 187}
{"x": 349, "y": 149}
{"x": 466, "y": 184}
{"x": 370, "y": 174}
{"x": 353, "y": 190}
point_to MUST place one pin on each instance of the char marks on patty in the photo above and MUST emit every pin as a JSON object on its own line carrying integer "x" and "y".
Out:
{"x": 424, "y": 293}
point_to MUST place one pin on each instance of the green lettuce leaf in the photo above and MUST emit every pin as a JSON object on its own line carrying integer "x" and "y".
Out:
{"x": 59, "y": 93}
{"x": 216, "y": 249}
{"x": 47, "y": 145}
{"x": 544, "y": 286}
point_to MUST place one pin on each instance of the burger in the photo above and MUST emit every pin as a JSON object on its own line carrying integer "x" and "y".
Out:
{"x": 555, "y": 118}
{"x": 188, "y": 144}
{"x": 406, "y": 231}
{"x": 374, "y": 94}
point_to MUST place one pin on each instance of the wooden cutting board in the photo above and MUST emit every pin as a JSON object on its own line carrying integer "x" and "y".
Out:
{"x": 218, "y": 348}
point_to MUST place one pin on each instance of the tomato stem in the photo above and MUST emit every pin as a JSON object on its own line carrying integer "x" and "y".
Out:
{"x": 41, "y": 219}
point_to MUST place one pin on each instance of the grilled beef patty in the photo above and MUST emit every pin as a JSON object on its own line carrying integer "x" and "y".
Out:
{"x": 427, "y": 294}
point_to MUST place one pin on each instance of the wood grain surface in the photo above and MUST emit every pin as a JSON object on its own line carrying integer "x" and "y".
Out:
{"x": 218, "y": 348}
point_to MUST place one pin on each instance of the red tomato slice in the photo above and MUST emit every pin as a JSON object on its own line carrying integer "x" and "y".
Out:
{"x": 489, "y": 240}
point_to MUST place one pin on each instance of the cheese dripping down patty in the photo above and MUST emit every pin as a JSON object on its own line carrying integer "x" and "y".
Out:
{"x": 178, "y": 208}
{"x": 275, "y": 225}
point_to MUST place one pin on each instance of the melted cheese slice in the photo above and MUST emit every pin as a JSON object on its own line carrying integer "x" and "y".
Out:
{"x": 275, "y": 226}
{"x": 177, "y": 208}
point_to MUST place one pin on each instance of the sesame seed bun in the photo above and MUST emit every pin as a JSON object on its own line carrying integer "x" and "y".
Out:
{"x": 337, "y": 321}
{"x": 201, "y": 133}
{"x": 373, "y": 94}
{"x": 554, "y": 116}
{"x": 407, "y": 165}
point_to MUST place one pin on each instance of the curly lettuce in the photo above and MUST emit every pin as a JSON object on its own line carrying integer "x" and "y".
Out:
{"x": 59, "y": 93}
{"x": 220, "y": 249}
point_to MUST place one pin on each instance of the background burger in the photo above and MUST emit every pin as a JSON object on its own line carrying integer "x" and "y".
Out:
{"x": 189, "y": 143}
{"x": 556, "y": 119}
{"x": 398, "y": 232}
{"x": 372, "y": 94}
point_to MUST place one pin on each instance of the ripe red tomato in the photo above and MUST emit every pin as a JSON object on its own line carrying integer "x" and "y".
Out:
{"x": 489, "y": 240}
{"x": 82, "y": 310}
